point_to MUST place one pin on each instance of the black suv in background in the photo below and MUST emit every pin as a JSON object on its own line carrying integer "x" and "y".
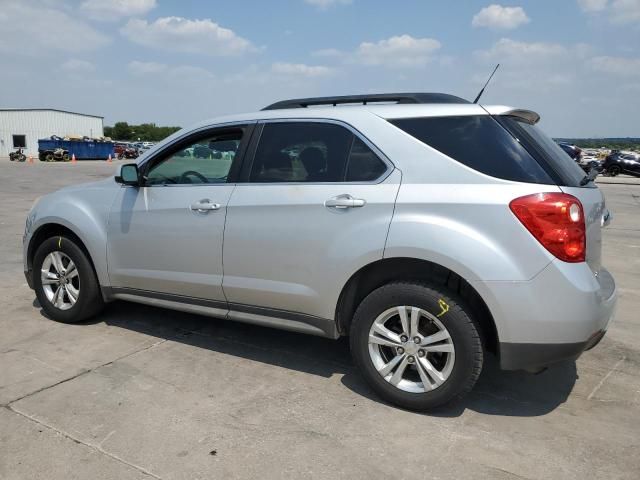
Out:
{"x": 618, "y": 162}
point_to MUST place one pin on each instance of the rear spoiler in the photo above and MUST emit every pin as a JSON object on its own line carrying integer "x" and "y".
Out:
{"x": 526, "y": 115}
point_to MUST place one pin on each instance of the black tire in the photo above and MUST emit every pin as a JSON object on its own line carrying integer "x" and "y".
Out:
{"x": 614, "y": 170}
{"x": 89, "y": 301}
{"x": 463, "y": 332}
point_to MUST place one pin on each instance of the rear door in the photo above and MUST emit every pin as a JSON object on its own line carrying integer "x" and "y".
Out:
{"x": 313, "y": 205}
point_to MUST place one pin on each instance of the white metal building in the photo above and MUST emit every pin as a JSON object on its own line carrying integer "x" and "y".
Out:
{"x": 23, "y": 127}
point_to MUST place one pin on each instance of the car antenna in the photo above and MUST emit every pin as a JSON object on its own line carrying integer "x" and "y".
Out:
{"x": 485, "y": 85}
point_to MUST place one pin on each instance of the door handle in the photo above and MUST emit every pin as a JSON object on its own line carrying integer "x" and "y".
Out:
{"x": 345, "y": 201}
{"x": 204, "y": 206}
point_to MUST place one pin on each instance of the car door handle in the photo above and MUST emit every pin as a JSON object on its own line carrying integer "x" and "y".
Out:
{"x": 345, "y": 201}
{"x": 204, "y": 206}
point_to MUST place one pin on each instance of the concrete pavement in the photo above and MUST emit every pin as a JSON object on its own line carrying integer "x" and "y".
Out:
{"x": 141, "y": 392}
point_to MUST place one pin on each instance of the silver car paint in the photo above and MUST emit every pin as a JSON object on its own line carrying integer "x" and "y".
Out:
{"x": 445, "y": 212}
{"x": 285, "y": 249}
{"x": 157, "y": 243}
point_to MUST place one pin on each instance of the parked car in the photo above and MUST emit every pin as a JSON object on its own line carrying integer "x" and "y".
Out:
{"x": 619, "y": 162}
{"x": 571, "y": 150}
{"x": 429, "y": 248}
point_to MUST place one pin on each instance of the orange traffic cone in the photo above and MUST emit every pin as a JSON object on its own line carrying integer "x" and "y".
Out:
{"x": 30, "y": 158}
{"x": 73, "y": 158}
{"x": 109, "y": 159}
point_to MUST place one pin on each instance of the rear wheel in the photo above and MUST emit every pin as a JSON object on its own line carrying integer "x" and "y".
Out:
{"x": 614, "y": 170}
{"x": 64, "y": 281}
{"x": 416, "y": 345}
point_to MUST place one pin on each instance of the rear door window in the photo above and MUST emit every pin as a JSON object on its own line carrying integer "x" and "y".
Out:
{"x": 479, "y": 142}
{"x": 313, "y": 152}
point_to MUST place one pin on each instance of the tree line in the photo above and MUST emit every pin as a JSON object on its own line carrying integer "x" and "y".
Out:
{"x": 628, "y": 143}
{"x": 146, "y": 132}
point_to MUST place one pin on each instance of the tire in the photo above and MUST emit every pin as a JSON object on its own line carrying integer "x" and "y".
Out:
{"x": 49, "y": 157}
{"x": 85, "y": 284}
{"x": 435, "y": 304}
{"x": 614, "y": 170}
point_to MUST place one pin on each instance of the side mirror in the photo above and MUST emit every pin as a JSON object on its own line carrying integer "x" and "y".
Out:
{"x": 128, "y": 175}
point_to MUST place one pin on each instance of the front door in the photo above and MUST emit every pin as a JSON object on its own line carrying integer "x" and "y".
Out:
{"x": 166, "y": 236}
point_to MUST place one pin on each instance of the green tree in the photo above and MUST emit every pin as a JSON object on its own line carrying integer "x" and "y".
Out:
{"x": 121, "y": 131}
{"x": 146, "y": 132}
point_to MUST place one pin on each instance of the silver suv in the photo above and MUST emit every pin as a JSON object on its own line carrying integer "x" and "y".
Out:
{"x": 429, "y": 229}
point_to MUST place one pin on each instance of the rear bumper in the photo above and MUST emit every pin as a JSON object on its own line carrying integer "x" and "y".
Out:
{"x": 560, "y": 313}
{"x": 531, "y": 356}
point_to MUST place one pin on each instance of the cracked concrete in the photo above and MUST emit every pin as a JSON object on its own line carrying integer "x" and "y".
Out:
{"x": 148, "y": 393}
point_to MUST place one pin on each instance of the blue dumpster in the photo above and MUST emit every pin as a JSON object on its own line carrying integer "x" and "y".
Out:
{"x": 82, "y": 149}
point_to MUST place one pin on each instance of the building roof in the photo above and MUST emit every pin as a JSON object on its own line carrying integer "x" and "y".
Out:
{"x": 47, "y": 110}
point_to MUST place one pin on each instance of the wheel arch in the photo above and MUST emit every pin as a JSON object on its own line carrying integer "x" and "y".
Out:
{"x": 49, "y": 230}
{"x": 385, "y": 270}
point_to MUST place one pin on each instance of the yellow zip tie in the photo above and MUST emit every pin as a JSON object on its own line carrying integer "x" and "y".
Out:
{"x": 444, "y": 306}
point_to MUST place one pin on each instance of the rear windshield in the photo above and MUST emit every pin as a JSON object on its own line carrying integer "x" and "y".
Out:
{"x": 506, "y": 147}
{"x": 479, "y": 142}
{"x": 564, "y": 168}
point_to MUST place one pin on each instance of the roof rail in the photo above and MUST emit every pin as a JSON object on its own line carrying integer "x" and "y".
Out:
{"x": 364, "y": 99}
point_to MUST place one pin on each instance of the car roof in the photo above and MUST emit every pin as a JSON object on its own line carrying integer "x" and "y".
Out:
{"x": 386, "y": 111}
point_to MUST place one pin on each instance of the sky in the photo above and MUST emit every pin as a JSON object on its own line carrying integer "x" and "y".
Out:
{"x": 171, "y": 62}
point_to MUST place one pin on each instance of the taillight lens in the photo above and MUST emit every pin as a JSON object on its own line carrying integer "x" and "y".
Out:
{"x": 557, "y": 222}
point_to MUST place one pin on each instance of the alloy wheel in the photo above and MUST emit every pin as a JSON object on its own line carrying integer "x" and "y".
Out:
{"x": 60, "y": 280}
{"x": 411, "y": 349}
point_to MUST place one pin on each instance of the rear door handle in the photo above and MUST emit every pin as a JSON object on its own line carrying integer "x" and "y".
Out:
{"x": 204, "y": 206}
{"x": 345, "y": 201}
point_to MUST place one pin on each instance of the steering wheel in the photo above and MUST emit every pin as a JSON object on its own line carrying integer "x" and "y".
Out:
{"x": 192, "y": 173}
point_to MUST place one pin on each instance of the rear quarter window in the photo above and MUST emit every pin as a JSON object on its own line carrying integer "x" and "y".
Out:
{"x": 479, "y": 142}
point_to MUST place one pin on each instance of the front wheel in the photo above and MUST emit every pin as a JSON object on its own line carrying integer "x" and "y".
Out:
{"x": 416, "y": 345}
{"x": 64, "y": 281}
{"x": 613, "y": 170}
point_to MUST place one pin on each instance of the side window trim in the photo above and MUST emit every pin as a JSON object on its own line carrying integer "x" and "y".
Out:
{"x": 194, "y": 135}
{"x": 257, "y": 134}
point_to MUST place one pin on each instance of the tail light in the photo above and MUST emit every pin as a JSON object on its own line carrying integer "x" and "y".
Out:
{"x": 556, "y": 220}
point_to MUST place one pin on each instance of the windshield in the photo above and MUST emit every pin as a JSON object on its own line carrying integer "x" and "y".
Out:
{"x": 561, "y": 166}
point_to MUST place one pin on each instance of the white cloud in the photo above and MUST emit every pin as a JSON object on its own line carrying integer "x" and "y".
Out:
{"x": 114, "y": 9}
{"x": 184, "y": 35}
{"x": 618, "y": 11}
{"x": 514, "y": 52}
{"x": 399, "y": 51}
{"x": 593, "y": 5}
{"x": 27, "y": 29}
{"x": 300, "y": 69}
{"x": 75, "y": 65}
{"x": 498, "y": 17}
{"x": 621, "y": 66}
{"x": 625, "y": 11}
{"x": 324, "y": 4}
{"x": 534, "y": 67}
